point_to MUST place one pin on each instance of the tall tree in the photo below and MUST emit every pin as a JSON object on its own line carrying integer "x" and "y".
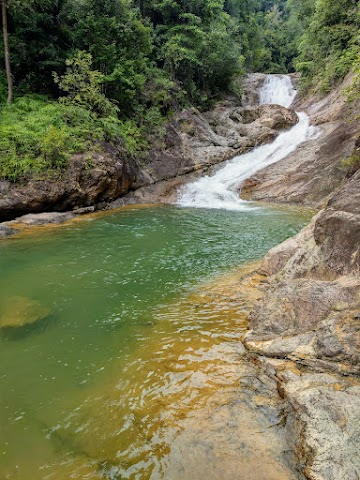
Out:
{"x": 7, "y": 53}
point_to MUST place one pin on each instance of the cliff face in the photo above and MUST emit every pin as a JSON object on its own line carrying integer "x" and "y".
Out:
{"x": 306, "y": 328}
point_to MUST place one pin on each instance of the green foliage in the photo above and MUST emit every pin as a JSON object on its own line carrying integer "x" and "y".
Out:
{"x": 236, "y": 87}
{"x": 39, "y": 40}
{"x": 3, "y": 87}
{"x": 353, "y": 92}
{"x": 38, "y": 136}
{"x": 352, "y": 164}
{"x": 329, "y": 44}
{"x": 83, "y": 85}
{"x": 197, "y": 45}
{"x": 32, "y": 138}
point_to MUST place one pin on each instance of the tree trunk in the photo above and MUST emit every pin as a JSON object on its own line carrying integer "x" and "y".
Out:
{"x": 7, "y": 54}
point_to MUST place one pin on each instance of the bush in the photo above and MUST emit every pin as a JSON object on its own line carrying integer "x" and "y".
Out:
{"x": 37, "y": 136}
{"x": 83, "y": 85}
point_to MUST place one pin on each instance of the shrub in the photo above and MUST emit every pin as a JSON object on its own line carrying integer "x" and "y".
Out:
{"x": 83, "y": 85}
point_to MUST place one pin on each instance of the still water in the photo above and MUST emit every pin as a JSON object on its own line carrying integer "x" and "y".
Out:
{"x": 140, "y": 333}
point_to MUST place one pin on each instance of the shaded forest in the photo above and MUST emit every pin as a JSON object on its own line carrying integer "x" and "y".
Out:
{"x": 87, "y": 71}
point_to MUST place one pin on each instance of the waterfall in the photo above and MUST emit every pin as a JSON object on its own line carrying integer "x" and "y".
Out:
{"x": 279, "y": 90}
{"x": 221, "y": 190}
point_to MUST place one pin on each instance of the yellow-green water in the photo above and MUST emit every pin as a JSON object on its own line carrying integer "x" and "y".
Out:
{"x": 116, "y": 380}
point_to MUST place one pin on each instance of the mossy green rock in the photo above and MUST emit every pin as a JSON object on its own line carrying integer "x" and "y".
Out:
{"x": 20, "y": 311}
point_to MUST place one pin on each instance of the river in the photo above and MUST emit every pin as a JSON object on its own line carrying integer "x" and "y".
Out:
{"x": 137, "y": 371}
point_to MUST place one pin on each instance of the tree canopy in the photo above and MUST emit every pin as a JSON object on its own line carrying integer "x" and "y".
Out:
{"x": 126, "y": 65}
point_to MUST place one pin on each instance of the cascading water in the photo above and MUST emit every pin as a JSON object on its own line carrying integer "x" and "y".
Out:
{"x": 279, "y": 90}
{"x": 221, "y": 190}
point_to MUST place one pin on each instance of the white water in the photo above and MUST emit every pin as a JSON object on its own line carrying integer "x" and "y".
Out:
{"x": 279, "y": 90}
{"x": 221, "y": 190}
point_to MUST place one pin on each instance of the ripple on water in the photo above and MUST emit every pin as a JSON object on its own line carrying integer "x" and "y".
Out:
{"x": 139, "y": 374}
{"x": 181, "y": 409}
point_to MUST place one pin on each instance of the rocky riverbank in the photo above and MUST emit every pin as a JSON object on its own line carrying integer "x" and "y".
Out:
{"x": 310, "y": 317}
{"x": 306, "y": 328}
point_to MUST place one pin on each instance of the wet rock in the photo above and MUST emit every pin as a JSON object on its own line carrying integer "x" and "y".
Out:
{"x": 196, "y": 141}
{"x": 312, "y": 173}
{"x": 21, "y": 311}
{"x": 6, "y": 231}
{"x": 38, "y": 219}
{"x": 102, "y": 178}
{"x": 251, "y": 86}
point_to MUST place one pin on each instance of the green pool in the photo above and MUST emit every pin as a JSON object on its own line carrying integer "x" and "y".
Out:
{"x": 98, "y": 387}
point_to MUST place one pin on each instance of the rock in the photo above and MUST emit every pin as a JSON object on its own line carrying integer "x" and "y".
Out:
{"x": 337, "y": 231}
{"x": 311, "y": 174}
{"x": 251, "y": 86}
{"x": 108, "y": 176}
{"x": 314, "y": 288}
{"x": 6, "y": 231}
{"x": 277, "y": 258}
{"x": 299, "y": 306}
{"x": 4, "y": 186}
{"x": 196, "y": 141}
{"x": 38, "y": 219}
{"x": 21, "y": 311}
{"x": 324, "y": 422}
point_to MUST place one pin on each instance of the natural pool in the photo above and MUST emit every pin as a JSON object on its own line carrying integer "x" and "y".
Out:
{"x": 134, "y": 345}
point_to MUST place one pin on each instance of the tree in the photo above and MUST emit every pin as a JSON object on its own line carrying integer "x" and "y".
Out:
{"x": 83, "y": 85}
{"x": 7, "y": 53}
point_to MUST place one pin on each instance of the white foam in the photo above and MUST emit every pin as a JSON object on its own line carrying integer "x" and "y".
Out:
{"x": 278, "y": 90}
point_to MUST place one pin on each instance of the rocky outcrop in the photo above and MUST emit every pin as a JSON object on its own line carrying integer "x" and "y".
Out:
{"x": 311, "y": 174}
{"x": 310, "y": 315}
{"x": 89, "y": 180}
{"x": 322, "y": 420}
{"x": 315, "y": 277}
{"x": 251, "y": 85}
{"x": 195, "y": 141}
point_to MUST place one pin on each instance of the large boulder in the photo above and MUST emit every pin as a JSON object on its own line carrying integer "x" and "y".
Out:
{"x": 102, "y": 178}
